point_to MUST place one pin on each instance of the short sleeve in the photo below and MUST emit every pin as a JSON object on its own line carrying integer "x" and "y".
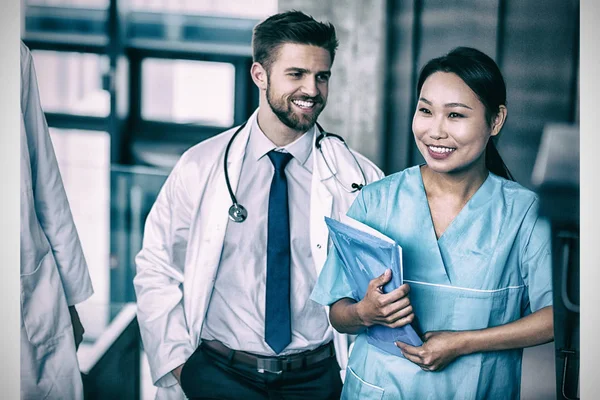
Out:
{"x": 536, "y": 265}
{"x": 333, "y": 284}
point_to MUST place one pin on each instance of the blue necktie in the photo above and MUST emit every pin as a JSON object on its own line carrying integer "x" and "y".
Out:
{"x": 278, "y": 323}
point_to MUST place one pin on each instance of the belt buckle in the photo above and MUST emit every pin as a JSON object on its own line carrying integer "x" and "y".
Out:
{"x": 271, "y": 365}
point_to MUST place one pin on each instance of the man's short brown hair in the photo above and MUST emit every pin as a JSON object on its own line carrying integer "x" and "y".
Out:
{"x": 290, "y": 27}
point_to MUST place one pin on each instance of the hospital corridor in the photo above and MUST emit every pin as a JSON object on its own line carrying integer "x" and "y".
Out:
{"x": 129, "y": 86}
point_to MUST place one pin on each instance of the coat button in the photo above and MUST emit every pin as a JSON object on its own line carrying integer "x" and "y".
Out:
{"x": 318, "y": 246}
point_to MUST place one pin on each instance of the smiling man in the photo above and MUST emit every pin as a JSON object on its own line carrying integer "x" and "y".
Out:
{"x": 223, "y": 291}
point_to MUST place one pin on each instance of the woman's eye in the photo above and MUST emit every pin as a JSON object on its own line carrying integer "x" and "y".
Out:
{"x": 424, "y": 111}
{"x": 455, "y": 115}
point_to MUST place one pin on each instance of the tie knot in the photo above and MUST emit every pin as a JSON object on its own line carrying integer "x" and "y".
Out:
{"x": 279, "y": 159}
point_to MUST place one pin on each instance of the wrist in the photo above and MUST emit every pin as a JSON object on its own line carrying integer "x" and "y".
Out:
{"x": 466, "y": 343}
{"x": 177, "y": 373}
{"x": 360, "y": 316}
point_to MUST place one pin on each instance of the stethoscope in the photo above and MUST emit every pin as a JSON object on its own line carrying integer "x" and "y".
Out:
{"x": 238, "y": 213}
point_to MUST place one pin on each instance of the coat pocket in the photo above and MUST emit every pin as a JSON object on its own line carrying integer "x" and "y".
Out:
{"x": 356, "y": 388}
{"x": 44, "y": 308}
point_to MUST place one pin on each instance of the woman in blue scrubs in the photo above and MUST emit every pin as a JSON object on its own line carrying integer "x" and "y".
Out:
{"x": 476, "y": 257}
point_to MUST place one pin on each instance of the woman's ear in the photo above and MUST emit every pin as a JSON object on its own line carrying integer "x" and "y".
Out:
{"x": 259, "y": 75}
{"x": 499, "y": 120}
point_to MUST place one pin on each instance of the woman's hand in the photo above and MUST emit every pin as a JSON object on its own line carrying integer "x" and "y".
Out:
{"x": 438, "y": 350}
{"x": 391, "y": 309}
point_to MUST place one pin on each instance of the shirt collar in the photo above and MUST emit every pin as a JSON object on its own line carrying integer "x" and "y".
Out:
{"x": 259, "y": 144}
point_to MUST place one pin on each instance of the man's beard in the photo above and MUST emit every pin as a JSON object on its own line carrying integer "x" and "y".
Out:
{"x": 282, "y": 108}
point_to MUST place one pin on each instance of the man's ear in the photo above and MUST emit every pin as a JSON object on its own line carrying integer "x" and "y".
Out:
{"x": 259, "y": 75}
{"x": 499, "y": 120}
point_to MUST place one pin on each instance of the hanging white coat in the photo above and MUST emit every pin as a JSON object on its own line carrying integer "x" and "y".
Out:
{"x": 183, "y": 240}
{"x": 54, "y": 274}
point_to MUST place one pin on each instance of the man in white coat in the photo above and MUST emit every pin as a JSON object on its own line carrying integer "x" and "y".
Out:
{"x": 54, "y": 273}
{"x": 223, "y": 301}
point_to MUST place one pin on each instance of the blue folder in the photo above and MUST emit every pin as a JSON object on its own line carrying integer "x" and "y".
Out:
{"x": 366, "y": 254}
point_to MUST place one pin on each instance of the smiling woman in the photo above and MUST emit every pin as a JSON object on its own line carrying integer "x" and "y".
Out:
{"x": 472, "y": 94}
{"x": 476, "y": 256}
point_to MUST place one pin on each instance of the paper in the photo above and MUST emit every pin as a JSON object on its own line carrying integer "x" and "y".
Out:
{"x": 366, "y": 253}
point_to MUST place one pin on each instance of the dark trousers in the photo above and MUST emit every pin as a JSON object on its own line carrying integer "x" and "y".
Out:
{"x": 208, "y": 375}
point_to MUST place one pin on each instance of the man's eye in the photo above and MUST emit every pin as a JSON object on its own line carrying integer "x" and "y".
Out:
{"x": 323, "y": 78}
{"x": 295, "y": 74}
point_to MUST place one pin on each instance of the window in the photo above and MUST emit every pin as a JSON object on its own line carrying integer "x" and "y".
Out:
{"x": 84, "y": 163}
{"x": 188, "y": 92}
{"x": 94, "y": 4}
{"x": 231, "y": 8}
{"x": 71, "y": 83}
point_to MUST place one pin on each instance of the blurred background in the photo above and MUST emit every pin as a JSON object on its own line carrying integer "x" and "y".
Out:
{"x": 128, "y": 85}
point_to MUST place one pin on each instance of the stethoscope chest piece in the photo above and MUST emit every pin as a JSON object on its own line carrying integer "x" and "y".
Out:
{"x": 237, "y": 213}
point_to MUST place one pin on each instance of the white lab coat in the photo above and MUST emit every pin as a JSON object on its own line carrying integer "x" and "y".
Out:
{"x": 183, "y": 240}
{"x": 54, "y": 274}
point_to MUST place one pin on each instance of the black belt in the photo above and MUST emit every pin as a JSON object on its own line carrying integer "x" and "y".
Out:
{"x": 274, "y": 365}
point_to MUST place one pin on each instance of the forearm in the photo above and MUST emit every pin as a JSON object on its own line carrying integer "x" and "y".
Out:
{"x": 532, "y": 330}
{"x": 345, "y": 318}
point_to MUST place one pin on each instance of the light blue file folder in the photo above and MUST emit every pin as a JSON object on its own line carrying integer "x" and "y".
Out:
{"x": 366, "y": 254}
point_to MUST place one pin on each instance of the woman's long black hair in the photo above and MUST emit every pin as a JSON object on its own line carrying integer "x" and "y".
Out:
{"x": 483, "y": 76}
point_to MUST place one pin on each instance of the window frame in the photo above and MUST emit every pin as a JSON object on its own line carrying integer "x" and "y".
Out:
{"x": 135, "y": 36}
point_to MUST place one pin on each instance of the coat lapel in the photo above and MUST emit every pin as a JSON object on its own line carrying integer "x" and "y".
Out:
{"x": 216, "y": 209}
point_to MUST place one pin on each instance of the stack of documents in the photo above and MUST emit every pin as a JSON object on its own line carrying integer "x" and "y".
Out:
{"x": 366, "y": 253}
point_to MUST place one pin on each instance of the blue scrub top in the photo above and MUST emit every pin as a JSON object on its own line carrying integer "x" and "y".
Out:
{"x": 491, "y": 266}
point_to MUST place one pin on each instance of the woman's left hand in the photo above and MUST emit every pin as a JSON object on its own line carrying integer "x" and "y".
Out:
{"x": 438, "y": 350}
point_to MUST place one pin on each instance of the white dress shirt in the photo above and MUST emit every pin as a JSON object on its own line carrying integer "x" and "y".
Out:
{"x": 236, "y": 312}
